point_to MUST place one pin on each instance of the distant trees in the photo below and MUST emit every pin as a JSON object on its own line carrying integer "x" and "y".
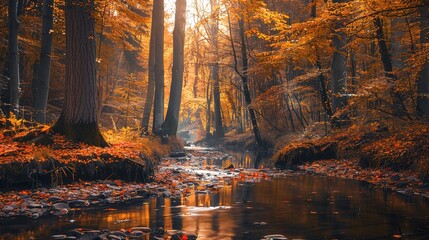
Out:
{"x": 423, "y": 81}
{"x": 78, "y": 120}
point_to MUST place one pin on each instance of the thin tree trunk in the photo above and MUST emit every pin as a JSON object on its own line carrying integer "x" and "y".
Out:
{"x": 42, "y": 83}
{"x": 208, "y": 110}
{"x": 78, "y": 120}
{"x": 398, "y": 105}
{"x": 245, "y": 86}
{"x": 423, "y": 81}
{"x": 196, "y": 65}
{"x": 172, "y": 119}
{"x": 292, "y": 124}
{"x": 322, "y": 80}
{"x": 158, "y": 108}
{"x": 151, "y": 77}
{"x": 215, "y": 73}
{"x": 13, "y": 56}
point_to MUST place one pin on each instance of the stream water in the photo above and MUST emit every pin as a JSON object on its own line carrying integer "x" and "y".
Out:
{"x": 298, "y": 206}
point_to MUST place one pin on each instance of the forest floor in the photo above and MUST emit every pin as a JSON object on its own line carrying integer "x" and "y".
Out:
{"x": 35, "y": 175}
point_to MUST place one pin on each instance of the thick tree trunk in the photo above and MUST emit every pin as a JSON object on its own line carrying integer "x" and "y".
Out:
{"x": 13, "y": 56}
{"x": 151, "y": 77}
{"x": 339, "y": 72}
{"x": 245, "y": 85}
{"x": 78, "y": 120}
{"x": 398, "y": 105}
{"x": 158, "y": 107}
{"x": 172, "y": 119}
{"x": 215, "y": 72}
{"x": 423, "y": 81}
{"x": 42, "y": 82}
{"x": 339, "y": 67}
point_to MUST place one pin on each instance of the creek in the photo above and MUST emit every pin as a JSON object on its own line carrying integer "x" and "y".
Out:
{"x": 297, "y": 205}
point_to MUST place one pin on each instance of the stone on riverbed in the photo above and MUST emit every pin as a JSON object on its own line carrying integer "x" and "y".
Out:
{"x": 177, "y": 154}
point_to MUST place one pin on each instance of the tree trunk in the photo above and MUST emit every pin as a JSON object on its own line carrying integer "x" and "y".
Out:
{"x": 78, "y": 120}
{"x": 172, "y": 119}
{"x": 13, "y": 56}
{"x": 215, "y": 72}
{"x": 339, "y": 72}
{"x": 158, "y": 108}
{"x": 151, "y": 77}
{"x": 42, "y": 82}
{"x": 322, "y": 80}
{"x": 196, "y": 65}
{"x": 398, "y": 105}
{"x": 423, "y": 81}
{"x": 246, "y": 87}
{"x": 208, "y": 110}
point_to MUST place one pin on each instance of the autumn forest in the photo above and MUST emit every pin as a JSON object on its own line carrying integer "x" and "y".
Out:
{"x": 214, "y": 104}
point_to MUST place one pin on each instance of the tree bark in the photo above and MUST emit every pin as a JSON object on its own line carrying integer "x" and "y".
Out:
{"x": 158, "y": 108}
{"x": 151, "y": 76}
{"x": 196, "y": 65}
{"x": 215, "y": 72}
{"x": 322, "y": 80}
{"x": 42, "y": 82}
{"x": 172, "y": 119}
{"x": 398, "y": 105}
{"x": 339, "y": 72}
{"x": 245, "y": 85}
{"x": 13, "y": 56}
{"x": 78, "y": 120}
{"x": 423, "y": 81}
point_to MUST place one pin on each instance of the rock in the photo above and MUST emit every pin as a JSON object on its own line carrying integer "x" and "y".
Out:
{"x": 78, "y": 203}
{"x": 136, "y": 233}
{"x": 7, "y": 208}
{"x": 119, "y": 234}
{"x": 424, "y": 186}
{"x": 114, "y": 237}
{"x": 60, "y": 205}
{"x": 54, "y": 199}
{"x": 35, "y": 205}
{"x": 75, "y": 233}
{"x": 59, "y": 236}
{"x": 401, "y": 184}
{"x": 395, "y": 177}
{"x": 143, "y": 229}
{"x": 177, "y": 154}
{"x": 62, "y": 211}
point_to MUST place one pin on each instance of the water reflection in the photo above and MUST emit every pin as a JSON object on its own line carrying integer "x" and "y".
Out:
{"x": 298, "y": 206}
{"x": 248, "y": 159}
{"x": 301, "y": 207}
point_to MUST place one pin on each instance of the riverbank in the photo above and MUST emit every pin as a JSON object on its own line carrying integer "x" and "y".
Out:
{"x": 173, "y": 178}
{"x": 396, "y": 159}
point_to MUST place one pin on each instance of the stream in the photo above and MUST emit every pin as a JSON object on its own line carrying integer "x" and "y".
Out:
{"x": 296, "y": 205}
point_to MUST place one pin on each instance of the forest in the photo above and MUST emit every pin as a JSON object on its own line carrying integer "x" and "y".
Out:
{"x": 214, "y": 104}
